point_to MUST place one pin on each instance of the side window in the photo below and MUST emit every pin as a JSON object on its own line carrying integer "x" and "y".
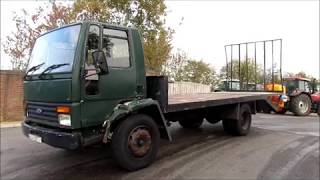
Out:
{"x": 91, "y": 80}
{"x": 301, "y": 85}
{"x": 116, "y": 48}
{"x": 307, "y": 88}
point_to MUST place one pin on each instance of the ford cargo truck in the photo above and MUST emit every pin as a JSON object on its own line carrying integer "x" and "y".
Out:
{"x": 86, "y": 84}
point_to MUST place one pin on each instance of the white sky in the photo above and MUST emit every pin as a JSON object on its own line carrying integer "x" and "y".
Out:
{"x": 209, "y": 25}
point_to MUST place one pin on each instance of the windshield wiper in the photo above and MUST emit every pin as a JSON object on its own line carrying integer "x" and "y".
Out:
{"x": 33, "y": 68}
{"x": 54, "y": 66}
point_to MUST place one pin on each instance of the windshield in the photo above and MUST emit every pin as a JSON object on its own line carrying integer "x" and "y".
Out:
{"x": 56, "y": 47}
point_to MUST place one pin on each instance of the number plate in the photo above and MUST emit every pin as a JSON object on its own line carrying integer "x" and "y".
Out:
{"x": 35, "y": 138}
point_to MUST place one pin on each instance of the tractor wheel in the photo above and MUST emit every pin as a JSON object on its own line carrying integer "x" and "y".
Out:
{"x": 301, "y": 105}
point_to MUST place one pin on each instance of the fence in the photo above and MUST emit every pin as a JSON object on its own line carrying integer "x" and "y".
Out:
{"x": 187, "y": 88}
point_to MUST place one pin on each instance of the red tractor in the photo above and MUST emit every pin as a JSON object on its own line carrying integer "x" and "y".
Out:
{"x": 304, "y": 96}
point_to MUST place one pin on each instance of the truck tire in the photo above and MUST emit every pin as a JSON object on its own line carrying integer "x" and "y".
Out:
{"x": 135, "y": 142}
{"x": 212, "y": 120}
{"x": 301, "y": 105}
{"x": 191, "y": 122}
{"x": 240, "y": 127}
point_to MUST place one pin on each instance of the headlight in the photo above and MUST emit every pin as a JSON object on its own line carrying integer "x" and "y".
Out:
{"x": 284, "y": 98}
{"x": 64, "y": 119}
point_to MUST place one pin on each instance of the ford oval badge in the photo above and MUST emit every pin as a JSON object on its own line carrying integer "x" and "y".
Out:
{"x": 39, "y": 111}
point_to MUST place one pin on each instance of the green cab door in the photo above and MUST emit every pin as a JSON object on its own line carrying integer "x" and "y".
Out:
{"x": 101, "y": 93}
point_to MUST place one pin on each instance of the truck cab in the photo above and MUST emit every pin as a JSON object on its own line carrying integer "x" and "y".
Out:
{"x": 67, "y": 90}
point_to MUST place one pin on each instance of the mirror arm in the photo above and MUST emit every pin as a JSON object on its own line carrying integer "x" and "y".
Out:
{"x": 96, "y": 73}
{"x": 85, "y": 76}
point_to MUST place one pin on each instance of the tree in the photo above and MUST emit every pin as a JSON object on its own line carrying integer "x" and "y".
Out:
{"x": 147, "y": 16}
{"x": 196, "y": 71}
{"x": 17, "y": 46}
{"x": 176, "y": 61}
{"x": 300, "y": 74}
{"x": 28, "y": 27}
{"x": 94, "y": 10}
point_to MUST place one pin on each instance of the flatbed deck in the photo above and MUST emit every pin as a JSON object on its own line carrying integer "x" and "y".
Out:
{"x": 200, "y": 100}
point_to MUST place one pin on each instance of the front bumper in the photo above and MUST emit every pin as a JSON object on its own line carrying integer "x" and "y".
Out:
{"x": 54, "y": 137}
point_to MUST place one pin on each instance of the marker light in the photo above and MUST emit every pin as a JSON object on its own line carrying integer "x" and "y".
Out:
{"x": 63, "y": 109}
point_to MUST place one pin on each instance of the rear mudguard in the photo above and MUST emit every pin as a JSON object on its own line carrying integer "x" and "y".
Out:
{"x": 145, "y": 106}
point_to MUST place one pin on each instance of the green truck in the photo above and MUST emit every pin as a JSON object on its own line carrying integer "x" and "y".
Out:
{"x": 86, "y": 85}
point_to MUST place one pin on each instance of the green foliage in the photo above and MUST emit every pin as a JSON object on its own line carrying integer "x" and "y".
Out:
{"x": 248, "y": 71}
{"x": 180, "y": 67}
{"x": 196, "y": 71}
{"x": 94, "y": 10}
{"x": 147, "y": 16}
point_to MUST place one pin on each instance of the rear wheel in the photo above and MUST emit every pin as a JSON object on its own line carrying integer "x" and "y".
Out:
{"x": 240, "y": 127}
{"x": 212, "y": 120}
{"x": 135, "y": 142}
{"x": 301, "y": 105}
{"x": 191, "y": 122}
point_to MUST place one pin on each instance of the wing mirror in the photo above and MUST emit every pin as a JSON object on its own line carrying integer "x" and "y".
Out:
{"x": 100, "y": 61}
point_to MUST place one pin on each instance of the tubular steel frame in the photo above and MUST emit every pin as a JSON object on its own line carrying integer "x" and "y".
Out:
{"x": 231, "y": 46}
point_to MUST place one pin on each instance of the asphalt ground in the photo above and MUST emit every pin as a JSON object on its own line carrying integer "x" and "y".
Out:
{"x": 278, "y": 147}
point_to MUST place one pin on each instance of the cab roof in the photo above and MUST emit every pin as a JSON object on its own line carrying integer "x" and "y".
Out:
{"x": 113, "y": 26}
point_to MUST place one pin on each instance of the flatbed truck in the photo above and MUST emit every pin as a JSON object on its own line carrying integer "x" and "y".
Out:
{"x": 86, "y": 84}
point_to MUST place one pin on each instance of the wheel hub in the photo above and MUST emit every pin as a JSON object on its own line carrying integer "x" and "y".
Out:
{"x": 245, "y": 118}
{"x": 303, "y": 106}
{"x": 139, "y": 142}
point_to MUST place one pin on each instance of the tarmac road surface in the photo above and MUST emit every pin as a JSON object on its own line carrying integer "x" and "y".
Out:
{"x": 278, "y": 147}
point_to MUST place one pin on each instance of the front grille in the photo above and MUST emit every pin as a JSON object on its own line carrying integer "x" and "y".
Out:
{"x": 46, "y": 112}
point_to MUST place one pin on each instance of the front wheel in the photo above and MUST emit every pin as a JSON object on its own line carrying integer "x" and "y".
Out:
{"x": 135, "y": 142}
{"x": 301, "y": 105}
